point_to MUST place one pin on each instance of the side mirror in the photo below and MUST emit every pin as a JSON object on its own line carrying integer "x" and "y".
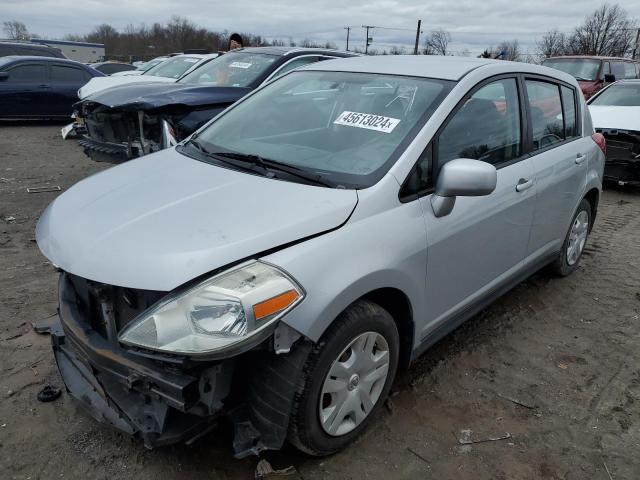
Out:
{"x": 4, "y": 75}
{"x": 462, "y": 177}
{"x": 609, "y": 78}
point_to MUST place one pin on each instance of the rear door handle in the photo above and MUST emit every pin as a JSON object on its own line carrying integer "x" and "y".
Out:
{"x": 580, "y": 158}
{"x": 524, "y": 184}
{"x": 43, "y": 85}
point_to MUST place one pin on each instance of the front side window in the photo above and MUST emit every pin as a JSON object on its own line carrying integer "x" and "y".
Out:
{"x": 232, "y": 70}
{"x": 486, "y": 127}
{"x": 630, "y": 70}
{"x": 173, "y": 68}
{"x": 346, "y": 128}
{"x": 547, "y": 123}
{"x": 28, "y": 74}
{"x": 617, "y": 68}
{"x": 66, "y": 74}
{"x": 569, "y": 111}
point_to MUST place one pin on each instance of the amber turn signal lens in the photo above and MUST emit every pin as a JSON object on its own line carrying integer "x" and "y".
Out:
{"x": 275, "y": 304}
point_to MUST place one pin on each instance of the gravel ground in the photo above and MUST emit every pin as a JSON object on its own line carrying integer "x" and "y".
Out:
{"x": 554, "y": 366}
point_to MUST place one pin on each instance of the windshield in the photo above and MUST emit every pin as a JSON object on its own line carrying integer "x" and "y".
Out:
{"x": 619, "y": 95}
{"x": 231, "y": 70}
{"x": 173, "y": 67}
{"x": 345, "y": 128}
{"x": 150, "y": 64}
{"x": 580, "y": 68}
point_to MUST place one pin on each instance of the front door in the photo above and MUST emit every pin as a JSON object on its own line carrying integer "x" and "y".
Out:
{"x": 25, "y": 90}
{"x": 481, "y": 244}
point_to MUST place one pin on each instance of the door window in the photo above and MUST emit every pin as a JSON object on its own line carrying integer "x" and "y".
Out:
{"x": 617, "y": 68}
{"x": 486, "y": 127}
{"x": 569, "y": 111}
{"x": 61, "y": 73}
{"x": 546, "y": 113}
{"x": 28, "y": 74}
{"x": 629, "y": 70}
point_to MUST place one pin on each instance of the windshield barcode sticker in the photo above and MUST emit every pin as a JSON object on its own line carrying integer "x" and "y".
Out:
{"x": 239, "y": 65}
{"x": 369, "y": 121}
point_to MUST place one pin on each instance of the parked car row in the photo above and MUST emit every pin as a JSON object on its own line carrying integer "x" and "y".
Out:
{"x": 128, "y": 121}
{"x": 279, "y": 265}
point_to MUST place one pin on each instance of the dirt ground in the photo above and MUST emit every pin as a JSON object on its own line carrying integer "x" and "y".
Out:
{"x": 554, "y": 365}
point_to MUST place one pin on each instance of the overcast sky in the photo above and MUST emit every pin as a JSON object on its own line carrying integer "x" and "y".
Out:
{"x": 473, "y": 25}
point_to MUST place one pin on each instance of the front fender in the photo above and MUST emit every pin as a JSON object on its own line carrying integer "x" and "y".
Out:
{"x": 382, "y": 250}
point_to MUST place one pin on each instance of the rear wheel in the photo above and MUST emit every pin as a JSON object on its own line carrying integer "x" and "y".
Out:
{"x": 346, "y": 378}
{"x": 575, "y": 241}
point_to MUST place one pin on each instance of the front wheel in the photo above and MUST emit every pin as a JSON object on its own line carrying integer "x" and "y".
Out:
{"x": 575, "y": 241}
{"x": 346, "y": 378}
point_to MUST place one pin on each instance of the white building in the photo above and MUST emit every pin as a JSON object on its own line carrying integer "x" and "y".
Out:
{"x": 79, "y": 51}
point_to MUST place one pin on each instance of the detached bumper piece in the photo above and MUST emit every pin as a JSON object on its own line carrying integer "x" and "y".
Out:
{"x": 105, "y": 151}
{"x": 165, "y": 399}
{"x": 622, "y": 164}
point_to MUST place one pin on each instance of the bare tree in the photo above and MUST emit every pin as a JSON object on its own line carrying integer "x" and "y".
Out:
{"x": 508, "y": 50}
{"x": 437, "y": 42}
{"x": 397, "y": 50}
{"x": 16, "y": 30}
{"x": 608, "y": 31}
{"x": 552, "y": 44}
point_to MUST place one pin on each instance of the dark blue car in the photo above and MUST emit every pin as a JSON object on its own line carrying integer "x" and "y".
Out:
{"x": 40, "y": 87}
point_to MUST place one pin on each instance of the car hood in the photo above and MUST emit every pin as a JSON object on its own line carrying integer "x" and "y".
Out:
{"x": 97, "y": 84}
{"x": 623, "y": 118}
{"x": 164, "y": 219}
{"x": 150, "y": 96}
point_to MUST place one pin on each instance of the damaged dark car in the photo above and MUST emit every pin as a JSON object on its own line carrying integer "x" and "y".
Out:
{"x": 129, "y": 121}
{"x": 616, "y": 115}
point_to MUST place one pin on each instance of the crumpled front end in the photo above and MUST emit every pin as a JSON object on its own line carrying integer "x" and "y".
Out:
{"x": 622, "y": 163}
{"x": 116, "y": 135}
{"x": 165, "y": 399}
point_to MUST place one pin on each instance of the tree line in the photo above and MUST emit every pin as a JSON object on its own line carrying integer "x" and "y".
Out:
{"x": 608, "y": 31}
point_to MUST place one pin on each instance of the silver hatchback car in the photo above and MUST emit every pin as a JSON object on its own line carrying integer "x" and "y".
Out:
{"x": 282, "y": 263}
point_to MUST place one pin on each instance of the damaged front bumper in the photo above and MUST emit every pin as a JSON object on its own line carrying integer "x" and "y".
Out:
{"x": 622, "y": 163}
{"x": 164, "y": 400}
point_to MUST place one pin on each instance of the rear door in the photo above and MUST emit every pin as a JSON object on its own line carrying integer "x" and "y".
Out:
{"x": 559, "y": 156}
{"x": 483, "y": 241}
{"x": 24, "y": 92}
{"x": 66, "y": 79}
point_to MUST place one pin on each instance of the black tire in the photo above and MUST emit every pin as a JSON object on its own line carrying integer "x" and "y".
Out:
{"x": 305, "y": 431}
{"x": 561, "y": 266}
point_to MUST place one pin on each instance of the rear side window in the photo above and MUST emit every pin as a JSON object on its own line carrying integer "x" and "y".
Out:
{"x": 61, "y": 73}
{"x": 486, "y": 127}
{"x": 547, "y": 124}
{"x": 298, "y": 62}
{"x": 569, "y": 112}
{"x": 28, "y": 74}
{"x": 630, "y": 70}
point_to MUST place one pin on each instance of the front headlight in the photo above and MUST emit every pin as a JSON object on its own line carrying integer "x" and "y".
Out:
{"x": 218, "y": 313}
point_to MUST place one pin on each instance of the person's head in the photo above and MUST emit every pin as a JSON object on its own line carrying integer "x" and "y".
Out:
{"x": 235, "y": 41}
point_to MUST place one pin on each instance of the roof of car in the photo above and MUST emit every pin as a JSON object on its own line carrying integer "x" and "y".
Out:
{"x": 41, "y": 59}
{"x": 281, "y": 51}
{"x": 591, "y": 57}
{"x": 430, "y": 66}
{"x": 26, "y": 44}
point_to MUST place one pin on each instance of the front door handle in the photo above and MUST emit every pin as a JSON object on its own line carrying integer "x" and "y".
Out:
{"x": 524, "y": 184}
{"x": 580, "y": 158}
{"x": 43, "y": 85}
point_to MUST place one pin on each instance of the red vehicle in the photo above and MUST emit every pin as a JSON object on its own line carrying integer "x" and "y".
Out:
{"x": 594, "y": 73}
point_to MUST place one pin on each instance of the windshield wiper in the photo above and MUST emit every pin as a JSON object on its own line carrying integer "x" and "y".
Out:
{"x": 269, "y": 164}
{"x": 244, "y": 165}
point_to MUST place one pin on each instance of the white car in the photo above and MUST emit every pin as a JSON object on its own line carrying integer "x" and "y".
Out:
{"x": 168, "y": 71}
{"x": 142, "y": 67}
{"x": 616, "y": 114}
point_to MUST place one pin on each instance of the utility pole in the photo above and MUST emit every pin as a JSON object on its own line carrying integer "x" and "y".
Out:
{"x": 415, "y": 49}
{"x": 348, "y": 29}
{"x": 636, "y": 46}
{"x": 368, "y": 39}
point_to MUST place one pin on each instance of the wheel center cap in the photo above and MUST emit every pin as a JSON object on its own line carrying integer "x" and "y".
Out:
{"x": 354, "y": 381}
